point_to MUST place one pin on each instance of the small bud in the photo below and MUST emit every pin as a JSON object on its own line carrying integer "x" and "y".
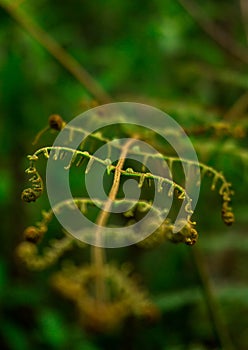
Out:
{"x": 56, "y": 122}
{"x": 32, "y": 234}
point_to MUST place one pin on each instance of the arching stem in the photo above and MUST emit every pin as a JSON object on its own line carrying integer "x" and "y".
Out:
{"x": 98, "y": 253}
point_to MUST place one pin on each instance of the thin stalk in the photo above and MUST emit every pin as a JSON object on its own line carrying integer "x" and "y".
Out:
{"x": 244, "y": 13}
{"x": 57, "y": 51}
{"x": 213, "y": 306}
{"x": 215, "y": 32}
{"x": 238, "y": 109}
{"x": 98, "y": 253}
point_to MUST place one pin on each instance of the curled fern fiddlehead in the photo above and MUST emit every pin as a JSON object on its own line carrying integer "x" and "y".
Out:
{"x": 32, "y": 193}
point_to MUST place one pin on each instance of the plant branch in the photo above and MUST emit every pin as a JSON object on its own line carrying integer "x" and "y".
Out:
{"x": 98, "y": 252}
{"x": 57, "y": 51}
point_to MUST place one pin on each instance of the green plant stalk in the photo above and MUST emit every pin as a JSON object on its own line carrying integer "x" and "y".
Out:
{"x": 57, "y": 51}
{"x": 213, "y": 306}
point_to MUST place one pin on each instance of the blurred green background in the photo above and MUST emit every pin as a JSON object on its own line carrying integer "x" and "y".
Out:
{"x": 191, "y": 60}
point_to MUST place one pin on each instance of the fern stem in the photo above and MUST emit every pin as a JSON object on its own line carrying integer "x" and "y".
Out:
{"x": 98, "y": 253}
{"x": 213, "y": 306}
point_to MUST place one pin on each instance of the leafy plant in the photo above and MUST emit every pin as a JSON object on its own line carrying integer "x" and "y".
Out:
{"x": 106, "y": 294}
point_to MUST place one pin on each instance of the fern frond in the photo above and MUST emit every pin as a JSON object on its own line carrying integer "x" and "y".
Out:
{"x": 125, "y": 298}
{"x": 29, "y": 253}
